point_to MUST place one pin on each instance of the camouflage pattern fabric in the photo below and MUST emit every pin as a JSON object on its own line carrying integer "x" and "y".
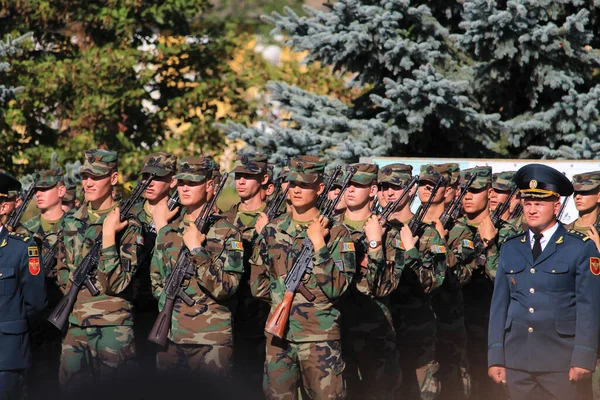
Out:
{"x": 478, "y": 275}
{"x": 250, "y": 315}
{"x": 194, "y": 169}
{"x": 116, "y": 268}
{"x": 205, "y": 360}
{"x": 161, "y": 164}
{"x": 49, "y": 178}
{"x": 100, "y": 162}
{"x": 314, "y": 367}
{"x": 306, "y": 169}
{"x": 277, "y": 248}
{"x": 424, "y": 271}
{"x": 219, "y": 268}
{"x": 94, "y": 353}
{"x": 504, "y": 181}
{"x": 368, "y": 337}
{"x": 253, "y": 163}
{"x": 587, "y": 181}
{"x": 366, "y": 174}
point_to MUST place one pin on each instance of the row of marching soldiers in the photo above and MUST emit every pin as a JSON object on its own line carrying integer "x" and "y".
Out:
{"x": 312, "y": 286}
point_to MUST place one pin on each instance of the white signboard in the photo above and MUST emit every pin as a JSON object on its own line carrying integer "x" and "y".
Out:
{"x": 568, "y": 167}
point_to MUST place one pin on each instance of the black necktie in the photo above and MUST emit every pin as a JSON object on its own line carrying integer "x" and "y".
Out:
{"x": 537, "y": 246}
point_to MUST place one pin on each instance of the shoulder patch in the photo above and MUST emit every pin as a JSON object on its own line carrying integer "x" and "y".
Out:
{"x": 347, "y": 246}
{"x": 33, "y": 251}
{"x": 398, "y": 244}
{"x": 468, "y": 244}
{"x": 140, "y": 240}
{"x": 437, "y": 249}
{"x": 595, "y": 265}
{"x": 235, "y": 245}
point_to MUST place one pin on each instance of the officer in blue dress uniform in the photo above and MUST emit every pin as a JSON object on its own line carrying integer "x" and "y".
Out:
{"x": 22, "y": 299}
{"x": 545, "y": 312}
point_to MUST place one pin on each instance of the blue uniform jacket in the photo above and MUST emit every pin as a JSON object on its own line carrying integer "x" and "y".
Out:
{"x": 22, "y": 297}
{"x": 545, "y": 316}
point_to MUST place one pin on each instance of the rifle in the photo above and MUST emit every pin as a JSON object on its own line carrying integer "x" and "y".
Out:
{"x": 274, "y": 206}
{"x": 182, "y": 270}
{"x": 172, "y": 203}
{"x": 13, "y": 220}
{"x": 452, "y": 213}
{"x": 562, "y": 208}
{"x": 277, "y": 322}
{"x": 322, "y": 199}
{"x": 85, "y": 269}
{"x": 516, "y": 212}
{"x": 415, "y": 222}
{"x": 412, "y": 198}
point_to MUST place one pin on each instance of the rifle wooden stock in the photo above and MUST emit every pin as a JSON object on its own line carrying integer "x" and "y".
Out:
{"x": 160, "y": 329}
{"x": 278, "y": 321}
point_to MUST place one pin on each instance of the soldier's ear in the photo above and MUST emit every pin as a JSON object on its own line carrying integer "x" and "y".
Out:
{"x": 114, "y": 178}
{"x": 62, "y": 190}
{"x": 265, "y": 179}
{"x": 373, "y": 191}
{"x": 173, "y": 183}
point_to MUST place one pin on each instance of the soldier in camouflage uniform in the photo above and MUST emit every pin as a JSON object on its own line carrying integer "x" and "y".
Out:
{"x": 447, "y": 302}
{"x": 163, "y": 165}
{"x": 200, "y": 338}
{"x": 309, "y": 356}
{"x": 69, "y": 199}
{"x": 99, "y": 338}
{"x": 502, "y": 185}
{"x": 368, "y": 337}
{"x": 476, "y": 243}
{"x": 45, "y": 228}
{"x": 424, "y": 267}
{"x": 251, "y": 314}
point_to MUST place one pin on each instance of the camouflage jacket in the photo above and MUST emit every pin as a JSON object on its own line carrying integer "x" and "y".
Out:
{"x": 364, "y": 309}
{"x": 116, "y": 267}
{"x": 333, "y": 268}
{"x": 462, "y": 238}
{"x": 424, "y": 270}
{"x": 218, "y": 269}
{"x": 45, "y": 240}
{"x": 251, "y": 313}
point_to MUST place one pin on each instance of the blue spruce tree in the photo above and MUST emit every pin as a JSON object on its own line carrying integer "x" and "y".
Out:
{"x": 9, "y": 48}
{"x": 417, "y": 96}
{"x": 538, "y": 67}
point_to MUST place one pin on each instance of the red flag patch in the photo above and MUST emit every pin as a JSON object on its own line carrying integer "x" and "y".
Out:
{"x": 34, "y": 265}
{"x": 595, "y": 265}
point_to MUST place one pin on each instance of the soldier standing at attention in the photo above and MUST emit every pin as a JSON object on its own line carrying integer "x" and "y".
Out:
{"x": 586, "y": 197}
{"x": 163, "y": 165}
{"x": 22, "y": 299}
{"x": 477, "y": 260}
{"x": 425, "y": 264}
{"x": 200, "y": 339}
{"x": 368, "y": 337}
{"x": 545, "y": 312}
{"x": 251, "y": 314}
{"x": 99, "y": 338}
{"x": 45, "y": 229}
{"x": 502, "y": 185}
{"x": 309, "y": 355}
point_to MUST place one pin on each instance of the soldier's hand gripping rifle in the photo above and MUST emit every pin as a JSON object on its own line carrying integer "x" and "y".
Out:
{"x": 84, "y": 271}
{"x": 415, "y": 223}
{"x": 13, "y": 220}
{"x": 277, "y": 322}
{"x": 322, "y": 199}
{"x": 183, "y": 270}
{"x": 452, "y": 212}
{"x": 172, "y": 203}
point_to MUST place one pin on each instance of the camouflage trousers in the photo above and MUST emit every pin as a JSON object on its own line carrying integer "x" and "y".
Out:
{"x": 205, "y": 359}
{"x": 91, "y": 354}
{"x": 419, "y": 381}
{"x": 314, "y": 367}
{"x": 372, "y": 370}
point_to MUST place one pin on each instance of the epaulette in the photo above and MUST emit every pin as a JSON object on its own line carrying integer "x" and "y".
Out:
{"x": 579, "y": 235}
{"x": 516, "y": 235}
{"x": 18, "y": 236}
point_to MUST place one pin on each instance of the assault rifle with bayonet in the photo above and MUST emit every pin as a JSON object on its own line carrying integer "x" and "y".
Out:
{"x": 13, "y": 220}
{"x": 85, "y": 270}
{"x": 415, "y": 223}
{"x": 453, "y": 211}
{"x": 278, "y": 321}
{"x": 183, "y": 270}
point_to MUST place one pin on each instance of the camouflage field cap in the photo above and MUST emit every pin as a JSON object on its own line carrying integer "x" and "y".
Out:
{"x": 432, "y": 173}
{"x": 483, "y": 176}
{"x": 586, "y": 182}
{"x": 253, "y": 163}
{"x": 504, "y": 180}
{"x": 284, "y": 165}
{"x": 100, "y": 162}
{"x": 306, "y": 169}
{"x": 69, "y": 195}
{"x": 453, "y": 170}
{"x": 49, "y": 178}
{"x": 194, "y": 169}
{"x": 8, "y": 183}
{"x": 161, "y": 164}
{"x": 395, "y": 174}
{"x": 366, "y": 174}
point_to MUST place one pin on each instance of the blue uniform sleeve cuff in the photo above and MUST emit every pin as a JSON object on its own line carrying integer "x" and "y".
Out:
{"x": 583, "y": 357}
{"x": 495, "y": 354}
